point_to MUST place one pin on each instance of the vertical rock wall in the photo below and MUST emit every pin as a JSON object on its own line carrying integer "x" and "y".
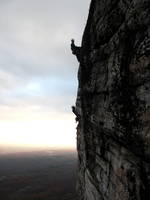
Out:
{"x": 113, "y": 102}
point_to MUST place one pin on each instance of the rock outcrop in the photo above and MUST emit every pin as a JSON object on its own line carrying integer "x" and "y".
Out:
{"x": 113, "y": 102}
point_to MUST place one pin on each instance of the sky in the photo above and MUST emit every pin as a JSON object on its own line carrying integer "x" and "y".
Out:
{"x": 38, "y": 73}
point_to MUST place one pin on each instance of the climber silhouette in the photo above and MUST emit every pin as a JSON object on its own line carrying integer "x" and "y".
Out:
{"x": 75, "y": 49}
{"x": 74, "y": 110}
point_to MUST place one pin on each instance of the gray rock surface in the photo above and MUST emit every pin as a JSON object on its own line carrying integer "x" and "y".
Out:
{"x": 113, "y": 102}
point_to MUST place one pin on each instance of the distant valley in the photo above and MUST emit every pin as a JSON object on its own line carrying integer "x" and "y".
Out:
{"x": 38, "y": 175}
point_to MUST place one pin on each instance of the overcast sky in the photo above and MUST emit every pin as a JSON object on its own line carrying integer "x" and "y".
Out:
{"x": 38, "y": 73}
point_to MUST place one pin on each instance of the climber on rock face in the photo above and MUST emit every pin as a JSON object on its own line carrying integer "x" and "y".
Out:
{"x": 72, "y": 46}
{"x": 74, "y": 110}
{"x": 75, "y": 49}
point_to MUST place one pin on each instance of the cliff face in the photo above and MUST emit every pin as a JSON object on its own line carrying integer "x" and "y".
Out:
{"x": 113, "y": 102}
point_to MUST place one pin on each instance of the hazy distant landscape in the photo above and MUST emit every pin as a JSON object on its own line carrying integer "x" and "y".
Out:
{"x": 38, "y": 175}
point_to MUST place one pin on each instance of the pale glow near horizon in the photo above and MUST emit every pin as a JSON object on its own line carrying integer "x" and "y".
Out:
{"x": 39, "y": 133}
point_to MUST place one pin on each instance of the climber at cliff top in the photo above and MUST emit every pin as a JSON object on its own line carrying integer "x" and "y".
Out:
{"x": 75, "y": 50}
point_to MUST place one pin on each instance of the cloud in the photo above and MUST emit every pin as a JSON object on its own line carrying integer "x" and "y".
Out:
{"x": 35, "y": 37}
{"x": 37, "y": 71}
